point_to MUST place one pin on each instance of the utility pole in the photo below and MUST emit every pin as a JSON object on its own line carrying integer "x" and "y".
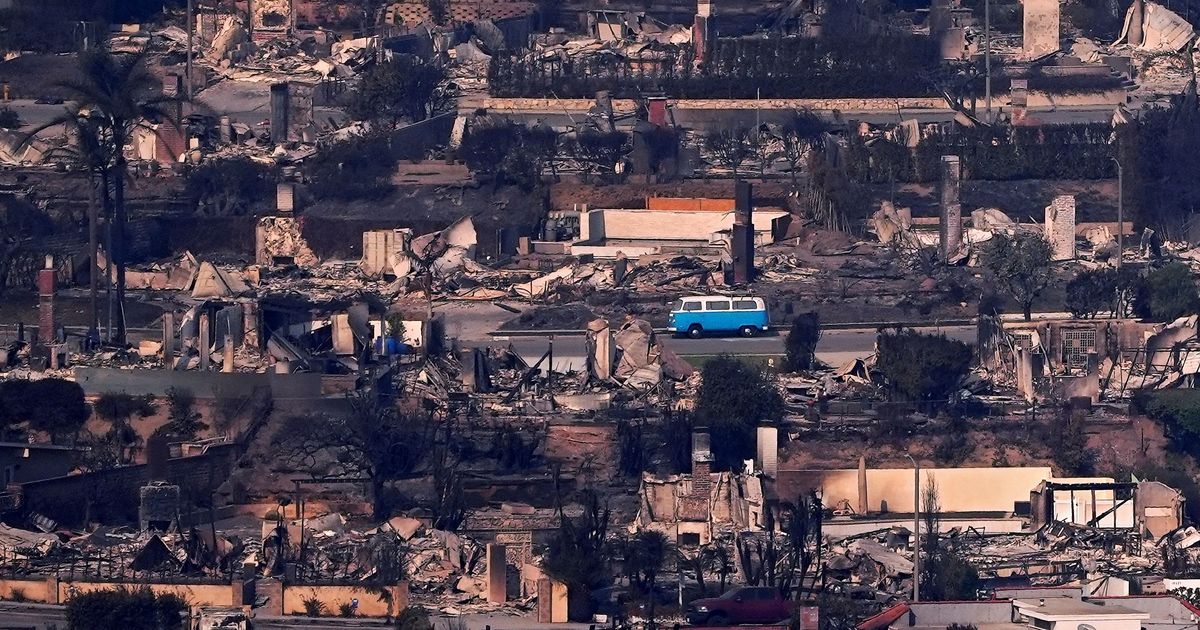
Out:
{"x": 757, "y": 118}
{"x": 1120, "y": 212}
{"x": 916, "y": 592}
{"x": 987, "y": 59}
{"x": 191, "y": 26}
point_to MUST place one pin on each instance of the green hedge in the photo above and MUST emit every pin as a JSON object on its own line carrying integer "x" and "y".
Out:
{"x": 991, "y": 153}
{"x": 1178, "y": 410}
{"x": 862, "y": 65}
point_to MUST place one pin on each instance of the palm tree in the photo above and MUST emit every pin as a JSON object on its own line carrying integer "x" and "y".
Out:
{"x": 645, "y": 554}
{"x": 86, "y": 152}
{"x": 118, "y": 94}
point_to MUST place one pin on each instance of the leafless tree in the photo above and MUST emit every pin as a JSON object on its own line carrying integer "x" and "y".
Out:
{"x": 731, "y": 147}
{"x": 373, "y": 441}
{"x": 799, "y": 135}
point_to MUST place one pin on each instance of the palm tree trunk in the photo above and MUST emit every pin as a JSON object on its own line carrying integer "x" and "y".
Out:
{"x": 653, "y": 622}
{"x": 93, "y": 248}
{"x": 106, "y": 203}
{"x": 120, "y": 253}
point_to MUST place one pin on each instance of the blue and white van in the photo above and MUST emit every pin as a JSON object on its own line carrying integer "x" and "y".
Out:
{"x": 697, "y": 315}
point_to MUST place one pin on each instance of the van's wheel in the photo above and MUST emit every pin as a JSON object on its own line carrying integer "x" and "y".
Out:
{"x": 717, "y": 620}
{"x": 748, "y": 331}
{"x": 695, "y": 331}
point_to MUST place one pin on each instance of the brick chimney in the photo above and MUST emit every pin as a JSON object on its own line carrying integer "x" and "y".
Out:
{"x": 172, "y": 87}
{"x": 45, "y": 284}
{"x": 280, "y": 116}
{"x": 657, "y": 110}
{"x": 741, "y": 243}
{"x": 285, "y": 198}
{"x": 1019, "y": 99}
{"x": 701, "y": 465}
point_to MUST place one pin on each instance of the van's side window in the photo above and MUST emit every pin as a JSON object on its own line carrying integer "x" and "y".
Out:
{"x": 691, "y": 306}
{"x": 744, "y": 305}
{"x": 717, "y": 305}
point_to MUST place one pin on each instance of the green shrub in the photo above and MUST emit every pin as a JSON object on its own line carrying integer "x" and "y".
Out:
{"x": 845, "y": 64}
{"x": 314, "y": 607}
{"x": 734, "y": 399}
{"x": 1072, "y": 454}
{"x": 183, "y": 421}
{"x": 413, "y": 618}
{"x": 801, "y": 341}
{"x": 1178, "y": 411}
{"x": 921, "y": 368}
{"x": 1170, "y": 293}
{"x": 119, "y": 406}
{"x": 9, "y": 119}
{"x": 53, "y": 405}
{"x": 127, "y": 609}
{"x": 231, "y": 186}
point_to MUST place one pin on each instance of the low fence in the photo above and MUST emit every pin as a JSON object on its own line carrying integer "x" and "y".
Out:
{"x": 112, "y": 495}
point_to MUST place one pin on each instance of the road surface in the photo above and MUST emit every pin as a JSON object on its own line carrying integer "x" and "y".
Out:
{"x": 836, "y": 346}
{"x": 15, "y": 616}
{"x": 25, "y": 616}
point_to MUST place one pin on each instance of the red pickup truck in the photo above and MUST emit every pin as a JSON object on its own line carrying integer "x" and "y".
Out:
{"x": 749, "y": 604}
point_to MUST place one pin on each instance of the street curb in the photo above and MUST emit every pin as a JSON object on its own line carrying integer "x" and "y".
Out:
{"x": 774, "y": 332}
{"x": 778, "y": 330}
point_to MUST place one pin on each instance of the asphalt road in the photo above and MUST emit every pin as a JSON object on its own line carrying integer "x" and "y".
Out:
{"x": 15, "y": 616}
{"x": 32, "y": 617}
{"x": 836, "y": 346}
{"x": 706, "y": 118}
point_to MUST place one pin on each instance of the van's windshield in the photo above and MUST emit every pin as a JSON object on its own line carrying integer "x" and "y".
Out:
{"x": 677, "y": 305}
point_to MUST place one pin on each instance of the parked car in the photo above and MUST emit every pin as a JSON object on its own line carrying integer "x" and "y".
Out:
{"x": 697, "y": 315}
{"x": 749, "y": 604}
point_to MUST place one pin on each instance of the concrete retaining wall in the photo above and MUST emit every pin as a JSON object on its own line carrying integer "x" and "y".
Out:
{"x": 674, "y": 225}
{"x": 283, "y": 387}
{"x": 959, "y": 489}
{"x": 52, "y": 590}
{"x": 41, "y": 590}
{"x": 195, "y": 594}
{"x": 370, "y": 602}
